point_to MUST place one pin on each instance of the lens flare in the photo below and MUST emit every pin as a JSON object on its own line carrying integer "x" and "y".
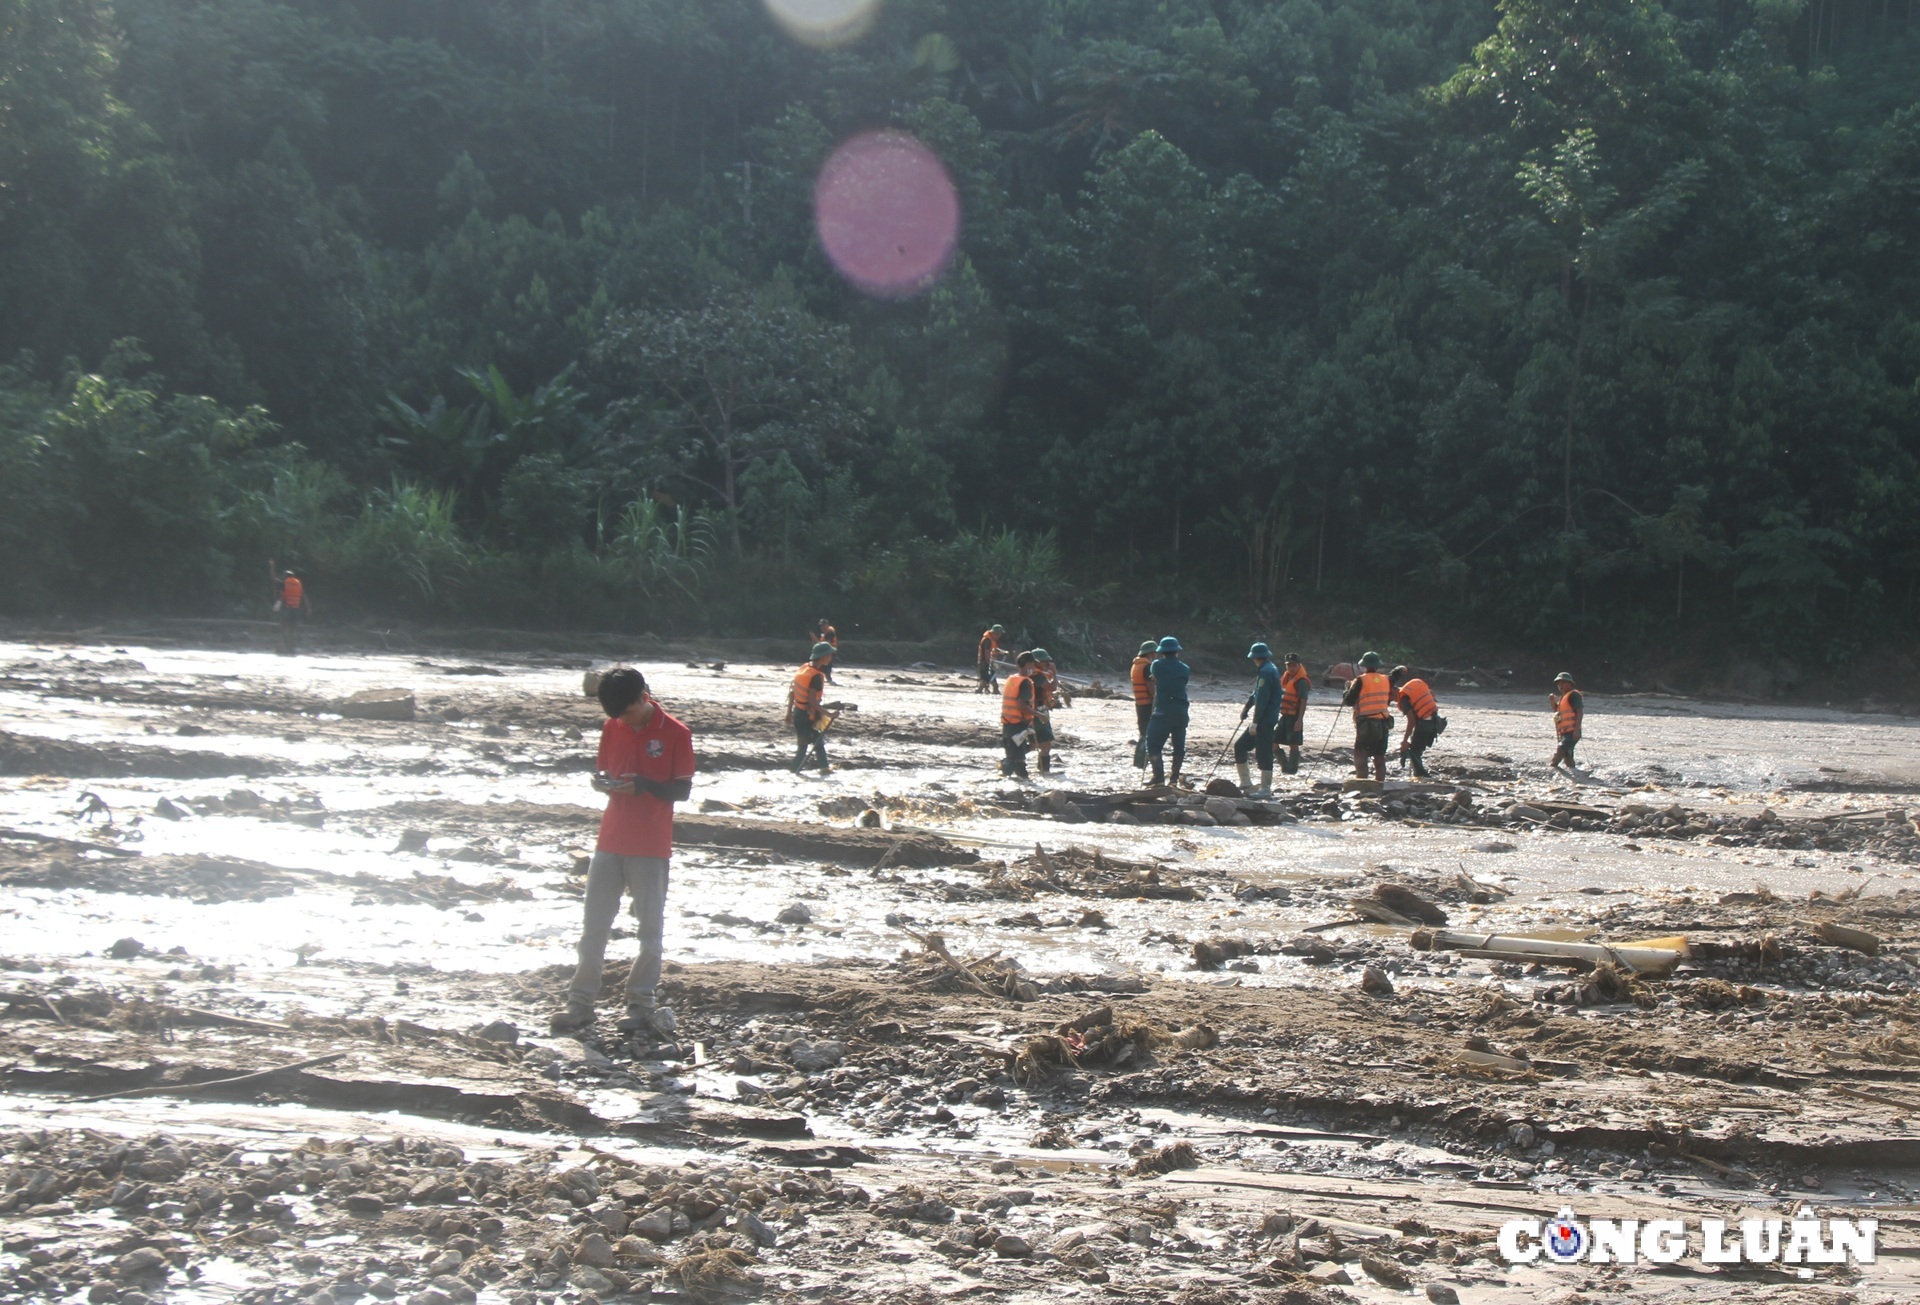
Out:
{"x": 887, "y": 214}
{"x": 824, "y": 23}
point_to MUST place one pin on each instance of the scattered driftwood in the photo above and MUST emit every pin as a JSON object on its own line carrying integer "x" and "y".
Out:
{"x": 1640, "y": 958}
{"x": 1841, "y": 935}
{"x": 167, "y": 1089}
{"x": 74, "y": 844}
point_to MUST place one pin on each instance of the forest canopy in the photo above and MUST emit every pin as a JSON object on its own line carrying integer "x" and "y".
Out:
{"x": 1570, "y": 319}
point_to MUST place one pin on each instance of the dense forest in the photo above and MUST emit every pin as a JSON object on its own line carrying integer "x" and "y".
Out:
{"x": 1564, "y": 320}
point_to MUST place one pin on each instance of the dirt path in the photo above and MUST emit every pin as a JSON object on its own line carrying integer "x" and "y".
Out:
{"x": 938, "y": 1035}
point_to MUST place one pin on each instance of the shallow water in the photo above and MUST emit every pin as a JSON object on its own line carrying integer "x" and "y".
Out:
{"x": 1653, "y": 750}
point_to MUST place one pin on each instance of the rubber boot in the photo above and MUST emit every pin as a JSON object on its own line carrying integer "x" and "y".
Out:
{"x": 1246, "y": 776}
{"x": 1046, "y": 763}
{"x": 1266, "y": 785}
{"x": 1291, "y": 763}
{"x": 1159, "y": 773}
{"x": 1359, "y": 762}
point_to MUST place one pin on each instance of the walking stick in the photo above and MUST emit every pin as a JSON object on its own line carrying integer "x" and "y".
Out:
{"x": 1223, "y": 752}
{"x": 1328, "y": 741}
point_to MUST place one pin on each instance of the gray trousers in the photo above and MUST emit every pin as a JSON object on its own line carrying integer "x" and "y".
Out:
{"x": 644, "y": 878}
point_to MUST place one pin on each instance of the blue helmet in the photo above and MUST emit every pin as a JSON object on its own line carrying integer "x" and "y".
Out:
{"x": 1260, "y": 650}
{"x": 1169, "y": 645}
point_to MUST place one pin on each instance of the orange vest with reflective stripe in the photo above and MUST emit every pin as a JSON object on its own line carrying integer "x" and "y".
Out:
{"x": 1376, "y": 696}
{"x": 1424, "y": 706}
{"x": 809, "y": 685}
{"x": 1293, "y": 681}
{"x": 1142, "y": 682}
{"x": 989, "y": 645}
{"x": 1012, "y": 710}
{"x": 1566, "y": 716}
{"x": 292, "y": 591}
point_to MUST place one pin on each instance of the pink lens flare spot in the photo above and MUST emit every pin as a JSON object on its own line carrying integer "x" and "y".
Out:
{"x": 887, "y": 213}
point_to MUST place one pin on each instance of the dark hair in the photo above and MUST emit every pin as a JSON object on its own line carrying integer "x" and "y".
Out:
{"x": 1024, "y": 659}
{"x": 620, "y": 689}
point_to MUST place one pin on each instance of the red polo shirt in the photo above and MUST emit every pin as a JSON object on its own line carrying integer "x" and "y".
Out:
{"x": 642, "y": 825}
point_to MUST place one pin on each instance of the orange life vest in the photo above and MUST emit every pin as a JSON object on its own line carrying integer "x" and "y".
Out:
{"x": 1293, "y": 686}
{"x": 1012, "y": 710}
{"x": 989, "y": 645}
{"x": 1424, "y": 706}
{"x": 829, "y": 635}
{"x": 1566, "y": 716}
{"x": 809, "y": 684}
{"x": 1375, "y": 698}
{"x": 1142, "y": 682}
{"x": 291, "y": 592}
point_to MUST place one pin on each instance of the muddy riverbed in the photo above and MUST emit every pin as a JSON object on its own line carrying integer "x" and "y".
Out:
{"x": 276, "y": 982}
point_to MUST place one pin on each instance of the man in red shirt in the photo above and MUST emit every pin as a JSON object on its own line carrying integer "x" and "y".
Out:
{"x": 645, "y": 766}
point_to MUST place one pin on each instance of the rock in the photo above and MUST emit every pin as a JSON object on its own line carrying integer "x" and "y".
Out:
{"x": 755, "y": 1229}
{"x": 594, "y": 1250}
{"x": 655, "y": 1224}
{"x": 1223, "y": 788}
{"x": 1441, "y": 1293}
{"x": 445, "y": 1262}
{"x": 1008, "y": 1246}
{"x": 797, "y": 913}
{"x": 139, "y": 1262}
{"x": 379, "y": 704}
{"x": 241, "y": 799}
{"x": 430, "y": 1296}
{"x": 366, "y": 1205}
{"x": 1222, "y": 809}
{"x": 381, "y": 1287}
{"x": 126, "y": 949}
{"x": 500, "y": 1031}
{"x": 1329, "y": 1274}
{"x": 993, "y": 1097}
{"x": 1200, "y": 818}
{"x": 1382, "y": 1270}
{"x": 588, "y": 1278}
{"x": 1520, "y": 1133}
{"x": 1375, "y": 983}
{"x": 1494, "y": 847}
{"x": 812, "y": 1057}
{"x": 413, "y": 840}
{"x": 1400, "y": 898}
{"x": 168, "y": 809}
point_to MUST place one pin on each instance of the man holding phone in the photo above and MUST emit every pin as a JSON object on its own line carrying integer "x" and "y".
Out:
{"x": 644, "y": 767}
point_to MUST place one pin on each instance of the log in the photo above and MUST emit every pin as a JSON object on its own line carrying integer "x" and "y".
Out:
{"x": 1841, "y": 935}
{"x": 1650, "y": 961}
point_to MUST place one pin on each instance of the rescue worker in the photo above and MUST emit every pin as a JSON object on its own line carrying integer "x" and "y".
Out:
{"x": 1142, "y": 702}
{"x": 823, "y": 632}
{"x": 1294, "y": 686}
{"x": 645, "y": 766}
{"x": 1415, "y": 699}
{"x": 1370, "y": 694}
{"x": 807, "y": 710}
{"x": 1047, "y": 694}
{"x": 290, "y": 606}
{"x": 1569, "y": 710}
{"x": 1170, "y": 708}
{"x": 989, "y": 649}
{"x": 1017, "y": 716}
{"x": 1264, "y": 704}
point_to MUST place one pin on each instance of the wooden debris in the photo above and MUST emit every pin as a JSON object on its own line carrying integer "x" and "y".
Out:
{"x": 1841, "y": 935}
{"x": 1641, "y": 959}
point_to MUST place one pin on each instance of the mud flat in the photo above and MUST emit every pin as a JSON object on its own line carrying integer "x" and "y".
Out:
{"x": 273, "y": 1021}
